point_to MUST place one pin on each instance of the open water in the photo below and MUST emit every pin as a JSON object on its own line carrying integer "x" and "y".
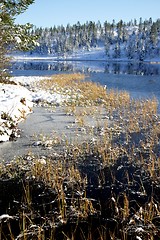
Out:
{"x": 141, "y": 80}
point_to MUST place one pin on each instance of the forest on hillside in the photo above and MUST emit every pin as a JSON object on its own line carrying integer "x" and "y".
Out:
{"x": 138, "y": 40}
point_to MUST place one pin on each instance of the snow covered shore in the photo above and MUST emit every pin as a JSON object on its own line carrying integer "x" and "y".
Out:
{"x": 94, "y": 54}
{"x": 16, "y": 102}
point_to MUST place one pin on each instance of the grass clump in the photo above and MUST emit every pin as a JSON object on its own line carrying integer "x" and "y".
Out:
{"x": 80, "y": 92}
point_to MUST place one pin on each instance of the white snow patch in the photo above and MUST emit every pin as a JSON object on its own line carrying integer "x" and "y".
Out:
{"x": 26, "y": 81}
{"x": 16, "y": 103}
{"x": 47, "y": 97}
{"x": 14, "y": 100}
{"x": 5, "y": 216}
{"x": 139, "y": 229}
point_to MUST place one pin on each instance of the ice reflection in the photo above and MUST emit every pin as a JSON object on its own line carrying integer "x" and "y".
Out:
{"x": 87, "y": 66}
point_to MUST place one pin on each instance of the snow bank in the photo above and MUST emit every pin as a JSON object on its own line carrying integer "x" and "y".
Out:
{"x": 44, "y": 96}
{"x": 38, "y": 94}
{"x": 97, "y": 53}
{"x": 26, "y": 81}
{"x": 16, "y": 102}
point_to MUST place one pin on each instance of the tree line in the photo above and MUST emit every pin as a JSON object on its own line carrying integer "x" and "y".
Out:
{"x": 133, "y": 40}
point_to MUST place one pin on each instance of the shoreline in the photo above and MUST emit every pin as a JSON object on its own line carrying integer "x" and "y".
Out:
{"x": 76, "y": 59}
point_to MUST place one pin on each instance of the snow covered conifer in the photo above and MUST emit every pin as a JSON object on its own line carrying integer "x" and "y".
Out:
{"x": 13, "y": 36}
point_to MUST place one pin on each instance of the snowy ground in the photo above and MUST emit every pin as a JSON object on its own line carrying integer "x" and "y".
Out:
{"x": 93, "y": 54}
{"x": 16, "y": 102}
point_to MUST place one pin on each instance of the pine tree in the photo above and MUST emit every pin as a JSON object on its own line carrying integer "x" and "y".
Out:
{"x": 120, "y": 30}
{"x": 13, "y": 36}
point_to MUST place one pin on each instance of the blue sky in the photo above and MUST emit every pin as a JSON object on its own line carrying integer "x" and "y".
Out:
{"x": 47, "y": 13}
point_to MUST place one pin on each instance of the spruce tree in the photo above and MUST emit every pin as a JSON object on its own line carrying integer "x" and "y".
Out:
{"x": 154, "y": 35}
